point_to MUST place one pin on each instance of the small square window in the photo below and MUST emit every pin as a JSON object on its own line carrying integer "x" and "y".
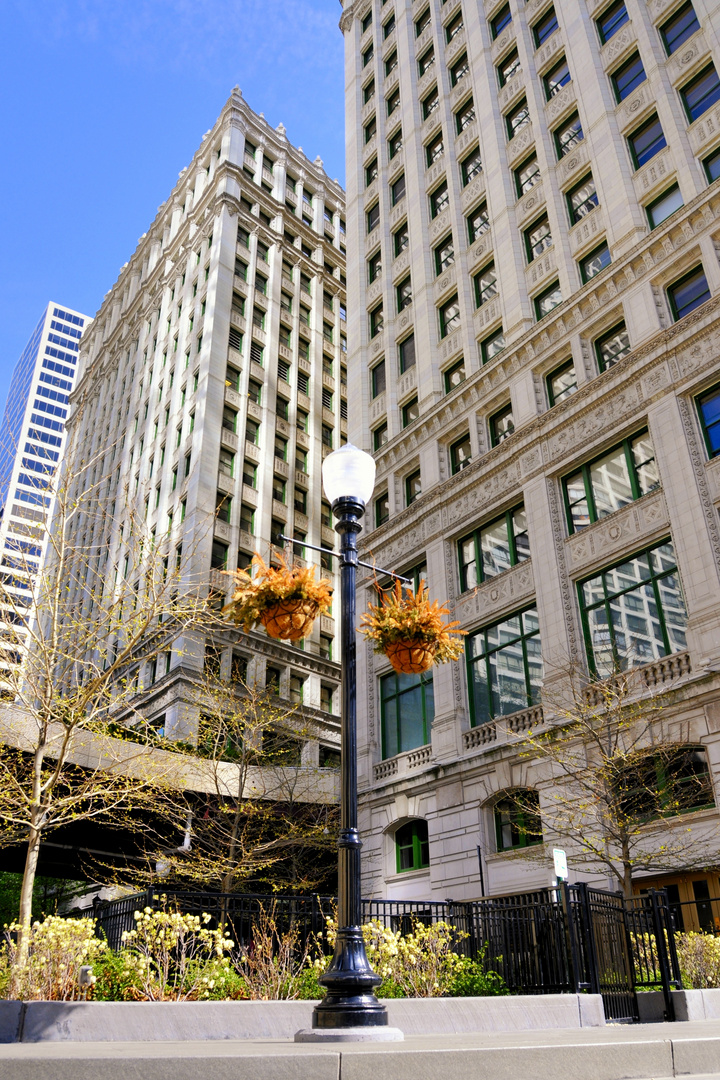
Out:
{"x": 595, "y": 262}
{"x": 410, "y": 412}
{"x": 628, "y": 77}
{"x": 460, "y": 454}
{"x": 612, "y": 346}
{"x": 501, "y": 425}
{"x": 561, "y": 382}
{"x": 413, "y": 487}
{"x": 664, "y": 206}
{"x": 492, "y": 345}
{"x": 711, "y": 164}
{"x": 454, "y": 375}
{"x": 688, "y": 293}
{"x": 646, "y": 141}
{"x": 547, "y": 300}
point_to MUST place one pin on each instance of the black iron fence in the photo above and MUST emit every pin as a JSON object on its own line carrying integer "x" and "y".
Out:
{"x": 570, "y": 939}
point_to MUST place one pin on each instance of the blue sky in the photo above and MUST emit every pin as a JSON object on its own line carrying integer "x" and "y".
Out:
{"x": 105, "y": 101}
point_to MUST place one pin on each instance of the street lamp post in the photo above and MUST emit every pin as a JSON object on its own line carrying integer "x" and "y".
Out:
{"x": 350, "y": 1008}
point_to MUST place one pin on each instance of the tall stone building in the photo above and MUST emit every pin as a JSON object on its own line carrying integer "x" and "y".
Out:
{"x": 534, "y": 312}
{"x": 214, "y": 381}
{"x": 32, "y": 442}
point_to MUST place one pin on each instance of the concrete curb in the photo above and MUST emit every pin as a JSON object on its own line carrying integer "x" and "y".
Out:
{"x": 121, "y": 1021}
{"x": 689, "y": 1005}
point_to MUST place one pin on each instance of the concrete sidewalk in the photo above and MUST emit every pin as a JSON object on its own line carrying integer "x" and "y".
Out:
{"x": 639, "y": 1052}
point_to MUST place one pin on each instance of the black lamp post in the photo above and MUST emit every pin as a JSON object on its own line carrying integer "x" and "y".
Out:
{"x": 350, "y": 1008}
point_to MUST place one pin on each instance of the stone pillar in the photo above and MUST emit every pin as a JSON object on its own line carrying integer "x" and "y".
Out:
{"x": 693, "y": 522}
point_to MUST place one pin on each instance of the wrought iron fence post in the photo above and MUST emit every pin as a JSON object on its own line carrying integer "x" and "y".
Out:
{"x": 472, "y": 942}
{"x": 573, "y": 957}
{"x": 591, "y": 949}
{"x": 659, "y": 906}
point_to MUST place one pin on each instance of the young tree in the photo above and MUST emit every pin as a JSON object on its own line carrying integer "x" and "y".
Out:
{"x": 83, "y": 634}
{"x": 254, "y": 813}
{"x": 613, "y": 783}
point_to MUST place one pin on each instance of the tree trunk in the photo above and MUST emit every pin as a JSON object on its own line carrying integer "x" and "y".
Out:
{"x": 627, "y": 881}
{"x": 26, "y": 893}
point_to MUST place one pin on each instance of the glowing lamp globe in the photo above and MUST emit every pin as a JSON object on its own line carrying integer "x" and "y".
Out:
{"x": 348, "y": 473}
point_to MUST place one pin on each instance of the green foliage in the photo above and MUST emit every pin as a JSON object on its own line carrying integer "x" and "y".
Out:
{"x": 48, "y": 894}
{"x": 412, "y": 617}
{"x": 471, "y": 979}
{"x": 114, "y": 980}
{"x": 699, "y": 958}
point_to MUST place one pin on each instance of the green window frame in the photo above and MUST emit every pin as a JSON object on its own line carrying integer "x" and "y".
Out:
{"x": 549, "y": 298}
{"x": 377, "y": 320}
{"x": 403, "y": 294}
{"x": 688, "y": 292}
{"x": 500, "y": 20}
{"x": 378, "y": 381}
{"x": 382, "y": 509}
{"x": 504, "y": 667}
{"x": 478, "y": 222}
{"x": 517, "y": 118}
{"x": 493, "y": 548}
{"x": 492, "y": 345}
{"x": 398, "y": 189}
{"x": 527, "y": 175}
{"x": 711, "y": 165}
{"x": 556, "y": 78}
{"x": 373, "y": 217}
{"x": 701, "y": 93}
{"x": 407, "y": 709}
{"x": 413, "y": 487}
{"x": 380, "y": 435}
{"x": 568, "y": 135}
{"x": 594, "y": 262}
{"x": 545, "y": 27}
{"x": 508, "y": 66}
{"x": 374, "y": 267}
{"x": 665, "y": 782}
{"x": 454, "y": 27}
{"x": 460, "y": 454}
{"x": 664, "y": 206}
{"x": 459, "y": 70}
{"x": 412, "y": 849}
{"x": 646, "y": 141}
{"x": 439, "y": 199}
{"x": 501, "y": 425}
{"x": 517, "y": 819}
{"x": 464, "y": 116}
{"x": 426, "y": 61}
{"x": 612, "y": 346}
{"x": 470, "y": 166}
{"x": 449, "y": 316}
{"x": 681, "y": 25}
{"x": 708, "y": 407}
{"x": 444, "y": 254}
{"x": 561, "y": 382}
{"x": 434, "y": 150}
{"x": 628, "y": 77}
{"x": 485, "y": 285}
{"x": 406, "y": 354}
{"x": 537, "y": 237}
{"x": 613, "y": 479}
{"x": 410, "y": 412}
{"x": 430, "y": 103}
{"x": 610, "y": 21}
{"x": 581, "y": 199}
{"x": 455, "y": 375}
{"x": 633, "y": 612}
{"x": 401, "y": 239}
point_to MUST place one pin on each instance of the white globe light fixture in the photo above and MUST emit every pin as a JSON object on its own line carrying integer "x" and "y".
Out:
{"x": 348, "y": 473}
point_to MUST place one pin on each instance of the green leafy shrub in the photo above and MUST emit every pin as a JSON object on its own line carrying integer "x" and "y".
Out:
{"x": 472, "y": 980}
{"x": 699, "y": 958}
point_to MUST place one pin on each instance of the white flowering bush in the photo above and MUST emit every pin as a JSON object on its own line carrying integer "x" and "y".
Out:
{"x": 174, "y": 957}
{"x": 57, "y": 949}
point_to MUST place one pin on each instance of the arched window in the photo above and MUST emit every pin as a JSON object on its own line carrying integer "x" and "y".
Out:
{"x": 411, "y": 846}
{"x": 665, "y": 781}
{"x": 517, "y": 819}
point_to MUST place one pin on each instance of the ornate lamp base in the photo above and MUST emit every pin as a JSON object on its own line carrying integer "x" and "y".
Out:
{"x": 350, "y": 1034}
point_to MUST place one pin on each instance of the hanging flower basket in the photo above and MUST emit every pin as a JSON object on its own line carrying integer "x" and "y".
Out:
{"x": 285, "y": 599}
{"x": 410, "y": 657}
{"x": 411, "y": 630}
{"x": 290, "y": 620}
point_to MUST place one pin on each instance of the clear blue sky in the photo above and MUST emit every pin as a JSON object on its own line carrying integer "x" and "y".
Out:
{"x": 105, "y": 101}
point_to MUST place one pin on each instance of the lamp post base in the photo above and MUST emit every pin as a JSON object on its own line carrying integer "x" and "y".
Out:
{"x": 349, "y": 1034}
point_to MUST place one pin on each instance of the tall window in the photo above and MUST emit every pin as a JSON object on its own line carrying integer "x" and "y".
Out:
{"x": 633, "y": 612}
{"x": 517, "y": 118}
{"x": 459, "y": 70}
{"x": 517, "y": 819}
{"x": 556, "y": 78}
{"x": 478, "y": 222}
{"x": 460, "y": 454}
{"x": 545, "y": 27}
{"x": 500, "y": 21}
{"x": 646, "y": 141}
{"x": 439, "y": 199}
{"x": 604, "y": 485}
{"x": 594, "y": 262}
{"x": 688, "y": 293}
{"x": 454, "y": 375}
{"x": 612, "y": 346}
{"x": 464, "y": 116}
{"x": 527, "y": 175}
{"x": 611, "y": 20}
{"x": 505, "y": 667}
{"x": 407, "y": 709}
{"x": 404, "y": 294}
{"x": 377, "y": 379}
{"x": 406, "y": 354}
{"x": 628, "y": 77}
{"x": 382, "y": 509}
{"x": 492, "y": 345}
{"x": 449, "y": 317}
{"x": 410, "y": 412}
{"x": 444, "y": 254}
{"x": 485, "y": 285}
{"x": 561, "y": 382}
{"x": 413, "y": 487}
{"x": 434, "y": 150}
{"x": 581, "y": 199}
{"x": 470, "y": 166}
{"x": 411, "y": 846}
{"x": 568, "y": 135}
{"x": 501, "y": 425}
{"x": 547, "y": 300}
{"x": 538, "y": 238}
{"x": 679, "y": 27}
{"x": 493, "y": 548}
{"x": 708, "y": 405}
{"x": 508, "y": 67}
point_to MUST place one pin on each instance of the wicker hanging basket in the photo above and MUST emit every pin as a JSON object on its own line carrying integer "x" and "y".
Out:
{"x": 411, "y": 657}
{"x": 290, "y": 620}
